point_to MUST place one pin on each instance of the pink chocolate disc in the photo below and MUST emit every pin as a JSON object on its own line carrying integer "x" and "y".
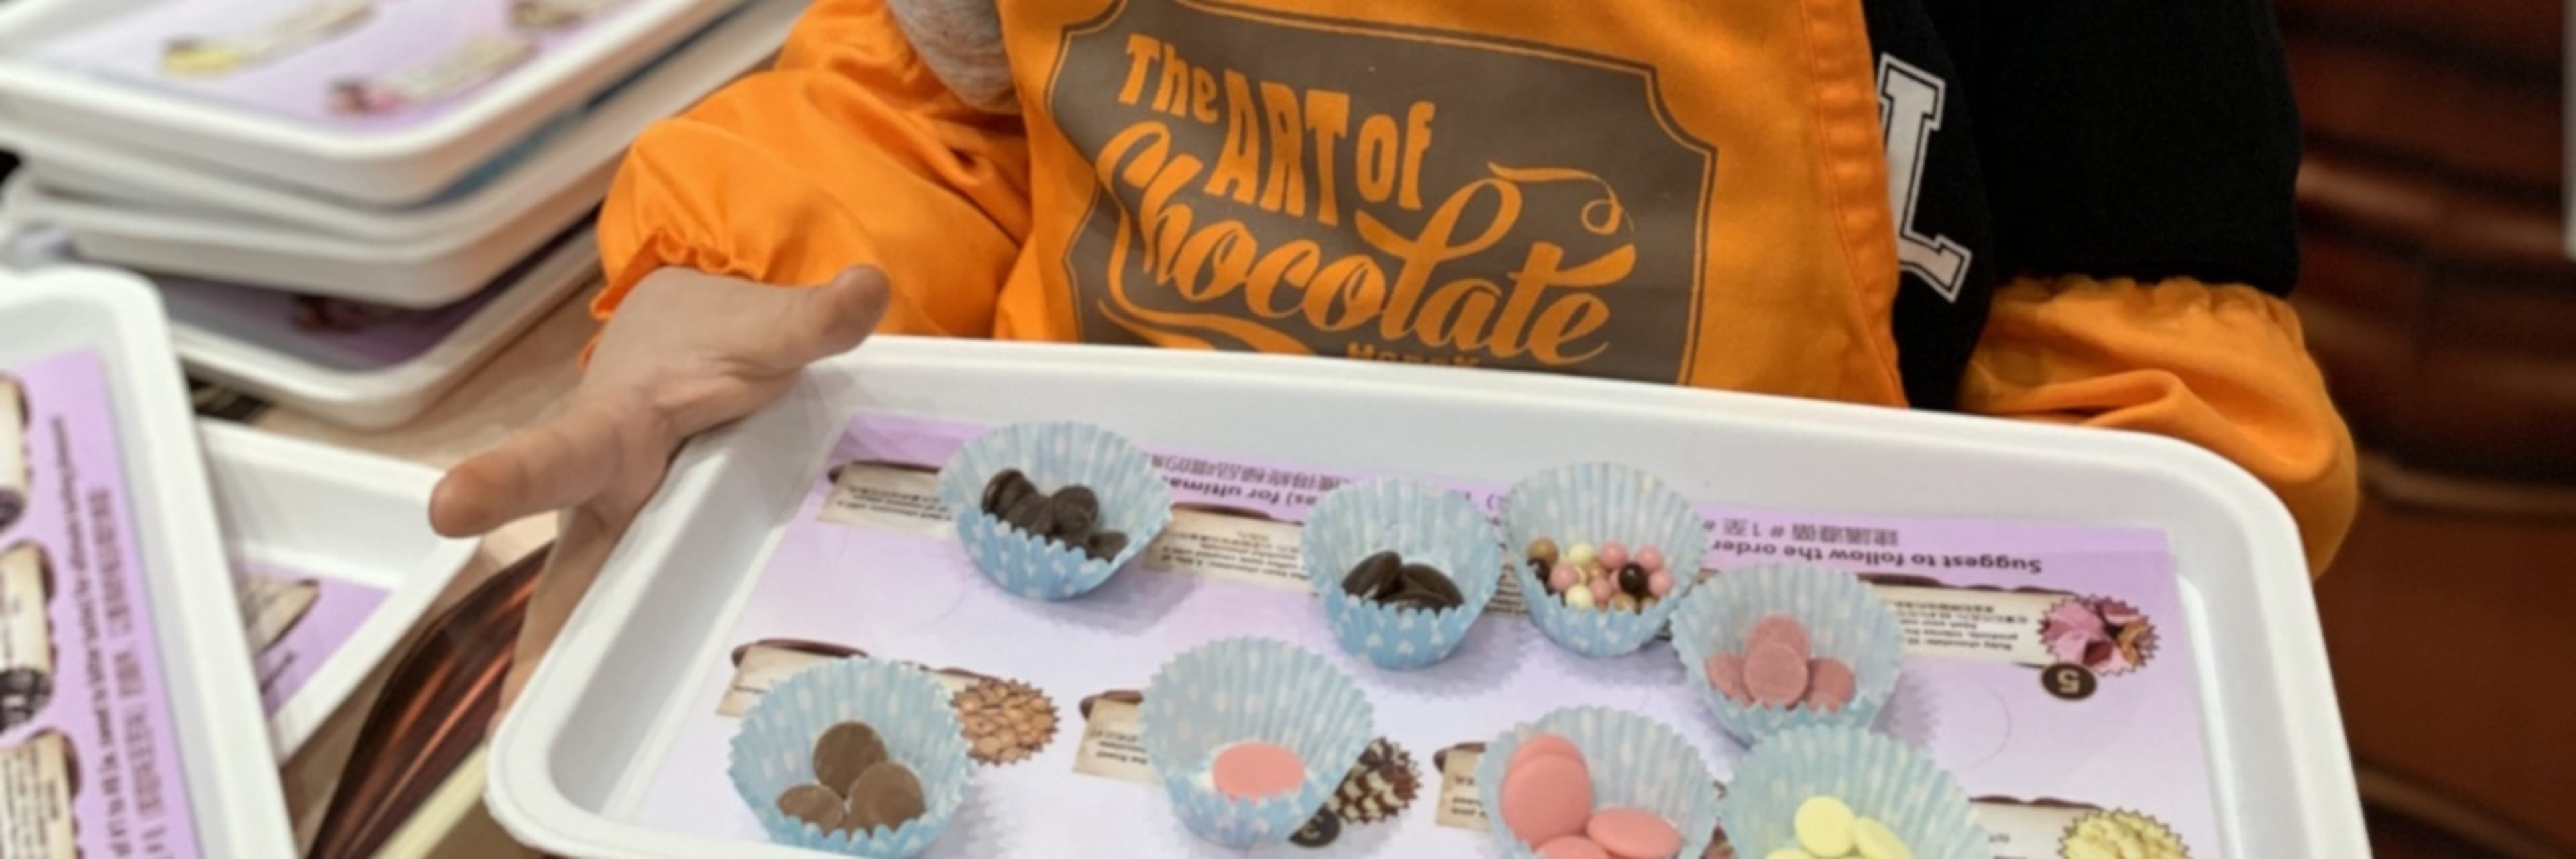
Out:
{"x": 1571, "y": 847}
{"x": 1547, "y": 799}
{"x": 1252, "y": 770}
{"x": 1726, "y": 674}
{"x": 1783, "y": 630}
{"x": 1776, "y": 675}
{"x": 1633, "y": 832}
{"x": 1830, "y": 684}
{"x": 1541, "y": 746}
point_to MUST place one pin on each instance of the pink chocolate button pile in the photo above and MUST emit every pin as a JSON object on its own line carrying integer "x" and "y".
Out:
{"x": 1779, "y": 668}
{"x": 1547, "y": 801}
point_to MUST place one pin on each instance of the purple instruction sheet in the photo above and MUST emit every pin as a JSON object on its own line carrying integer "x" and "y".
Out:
{"x": 358, "y": 65}
{"x": 2047, "y": 666}
{"x": 296, "y": 623}
{"x": 89, "y": 763}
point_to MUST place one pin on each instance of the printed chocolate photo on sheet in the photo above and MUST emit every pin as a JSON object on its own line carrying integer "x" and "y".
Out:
{"x": 762, "y": 664}
{"x": 38, "y": 779}
{"x": 217, "y": 54}
{"x": 1007, "y": 721}
{"x": 556, "y": 14}
{"x": 899, "y": 496}
{"x": 26, "y": 634}
{"x": 470, "y": 63}
{"x": 16, "y": 479}
{"x": 1230, "y": 543}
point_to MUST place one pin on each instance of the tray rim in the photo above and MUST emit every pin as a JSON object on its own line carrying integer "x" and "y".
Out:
{"x": 234, "y": 792}
{"x": 233, "y": 446}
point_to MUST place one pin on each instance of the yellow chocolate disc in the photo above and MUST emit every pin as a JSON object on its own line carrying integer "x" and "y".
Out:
{"x": 1874, "y": 841}
{"x": 1824, "y": 826}
{"x": 2089, "y": 849}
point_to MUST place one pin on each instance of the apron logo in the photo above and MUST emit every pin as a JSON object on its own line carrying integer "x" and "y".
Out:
{"x": 1377, "y": 193}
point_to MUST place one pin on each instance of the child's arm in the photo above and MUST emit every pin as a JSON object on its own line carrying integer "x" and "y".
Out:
{"x": 2140, "y": 159}
{"x": 851, "y": 151}
{"x": 2223, "y": 367}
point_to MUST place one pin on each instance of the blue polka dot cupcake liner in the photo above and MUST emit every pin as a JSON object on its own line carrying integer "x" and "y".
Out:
{"x": 1425, "y": 524}
{"x": 774, "y": 750}
{"x": 1845, "y": 618}
{"x": 1134, "y": 500}
{"x": 1634, "y": 762}
{"x": 1251, "y": 689}
{"x": 1879, "y": 777}
{"x": 1600, "y": 503}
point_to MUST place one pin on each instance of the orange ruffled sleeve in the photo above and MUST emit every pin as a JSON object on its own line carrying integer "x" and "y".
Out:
{"x": 849, "y": 151}
{"x": 2223, "y": 367}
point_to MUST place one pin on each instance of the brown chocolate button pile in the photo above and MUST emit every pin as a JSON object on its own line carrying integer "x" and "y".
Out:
{"x": 856, "y": 789}
{"x": 1384, "y": 578}
{"x": 1006, "y": 720}
{"x": 1070, "y": 517}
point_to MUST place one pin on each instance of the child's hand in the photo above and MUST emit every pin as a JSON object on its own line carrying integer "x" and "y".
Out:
{"x": 686, "y": 352}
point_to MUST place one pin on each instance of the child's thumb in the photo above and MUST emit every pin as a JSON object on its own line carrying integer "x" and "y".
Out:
{"x": 827, "y": 320}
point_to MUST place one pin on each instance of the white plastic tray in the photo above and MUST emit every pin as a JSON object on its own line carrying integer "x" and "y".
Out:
{"x": 325, "y": 512}
{"x": 228, "y": 228}
{"x": 298, "y": 370}
{"x": 566, "y": 773}
{"x": 391, "y": 168}
{"x": 229, "y": 778}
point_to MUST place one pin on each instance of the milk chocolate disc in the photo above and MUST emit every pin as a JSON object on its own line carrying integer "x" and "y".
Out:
{"x": 1077, "y": 512}
{"x": 1373, "y": 575}
{"x": 886, "y": 795}
{"x": 845, "y": 751}
{"x": 813, "y": 803}
{"x": 1006, "y": 489}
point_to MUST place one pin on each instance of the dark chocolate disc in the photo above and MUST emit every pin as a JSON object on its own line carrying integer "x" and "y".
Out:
{"x": 1105, "y": 545}
{"x": 1077, "y": 512}
{"x": 1434, "y": 589}
{"x": 1006, "y": 489}
{"x": 1033, "y": 514}
{"x": 1374, "y": 574}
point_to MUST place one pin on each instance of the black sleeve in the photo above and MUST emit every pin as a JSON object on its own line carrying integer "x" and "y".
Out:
{"x": 2127, "y": 138}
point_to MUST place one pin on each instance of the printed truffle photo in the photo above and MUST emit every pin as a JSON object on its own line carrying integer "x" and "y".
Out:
{"x": 1379, "y": 787}
{"x": 26, "y": 634}
{"x": 1007, "y": 721}
{"x": 762, "y": 664}
{"x": 271, "y": 607}
{"x": 2102, "y": 634}
{"x": 2121, "y": 835}
{"x": 40, "y": 778}
{"x": 217, "y": 56}
{"x": 17, "y": 480}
